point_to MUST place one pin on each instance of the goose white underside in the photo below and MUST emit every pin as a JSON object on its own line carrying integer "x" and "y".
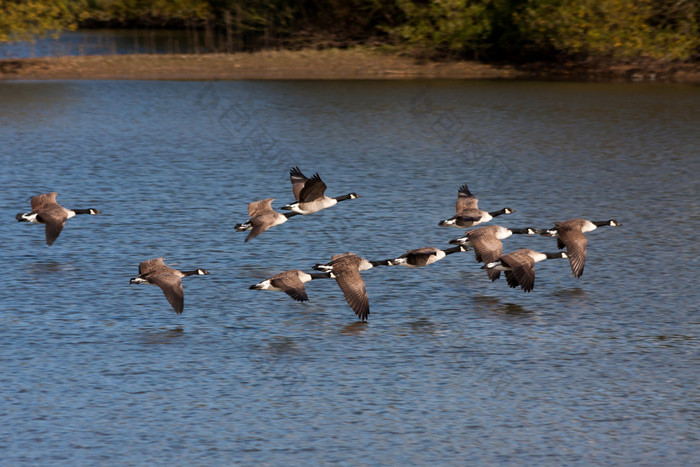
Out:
{"x": 139, "y": 280}
{"x": 465, "y": 242}
{"x": 588, "y": 226}
{"x": 498, "y": 266}
{"x": 267, "y": 285}
{"x": 314, "y": 205}
{"x": 30, "y": 217}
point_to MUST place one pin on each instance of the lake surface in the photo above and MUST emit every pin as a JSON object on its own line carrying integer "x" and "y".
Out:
{"x": 450, "y": 369}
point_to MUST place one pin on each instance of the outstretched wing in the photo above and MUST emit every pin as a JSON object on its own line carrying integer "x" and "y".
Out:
{"x": 171, "y": 285}
{"x": 55, "y": 219}
{"x": 260, "y": 224}
{"x": 355, "y": 291}
{"x": 291, "y": 285}
{"x": 298, "y": 179}
{"x": 314, "y": 188}
{"x": 575, "y": 242}
{"x": 487, "y": 249}
{"x": 146, "y": 267}
{"x": 258, "y": 208}
{"x": 465, "y": 200}
{"x": 523, "y": 270}
{"x": 39, "y": 201}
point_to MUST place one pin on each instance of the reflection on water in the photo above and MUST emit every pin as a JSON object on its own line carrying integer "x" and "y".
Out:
{"x": 114, "y": 42}
{"x": 354, "y": 329}
{"x": 450, "y": 368}
{"x": 166, "y": 336}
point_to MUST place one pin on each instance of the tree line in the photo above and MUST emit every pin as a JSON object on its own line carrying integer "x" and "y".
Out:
{"x": 515, "y": 30}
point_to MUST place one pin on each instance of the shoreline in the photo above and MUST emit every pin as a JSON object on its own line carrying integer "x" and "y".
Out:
{"x": 329, "y": 64}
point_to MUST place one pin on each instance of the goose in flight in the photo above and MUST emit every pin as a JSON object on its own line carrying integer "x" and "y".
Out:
{"x": 155, "y": 272}
{"x": 519, "y": 266}
{"x": 262, "y": 217}
{"x": 570, "y": 234}
{"x": 345, "y": 269}
{"x": 487, "y": 245}
{"x": 290, "y": 282}
{"x": 45, "y": 210}
{"x": 423, "y": 256}
{"x": 468, "y": 212}
{"x": 310, "y": 194}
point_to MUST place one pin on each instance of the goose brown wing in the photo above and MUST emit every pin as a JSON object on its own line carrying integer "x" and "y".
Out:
{"x": 465, "y": 200}
{"x": 354, "y": 289}
{"x": 147, "y": 267}
{"x": 39, "y": 201}
{"x": 314, "y": 188}
{"x": 258, "y": 208}
{"x": 420, "y": 256}
{"x": 260, "y": 224}
{"x": 298, "y": 179}
{"x": 469, "y": 215}
{"x": 290, "y": 284}
{"x": 171, "y": 285}
{"x": 487, "y": 249}
{"x": 575, "y": 242}
{"x": 55, "y": 219}
{"x": 512, "y": 281}
{"x": 522, "y": 270}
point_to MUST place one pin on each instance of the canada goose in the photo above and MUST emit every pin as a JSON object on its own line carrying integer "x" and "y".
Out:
{"x": 155, "y": 272}
{"x": 45, "y": 210}
{"x": 309, "y": 194}
{"x": 345, "y": 269}
{"x": 519, "y": 266}
{"x": 468, "y": 212}
{"x": 486, "y": 242}
{"x": 290, "y": 282}
{"x": 423, "y": 256}
{"x": 262, "y": 217}
{"x": 570, "y": 234}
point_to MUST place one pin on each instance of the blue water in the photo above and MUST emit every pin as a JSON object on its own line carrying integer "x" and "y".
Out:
{"x": 451, "y": 369}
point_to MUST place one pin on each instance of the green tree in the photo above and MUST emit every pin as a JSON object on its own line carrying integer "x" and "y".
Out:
{"x": 619, "y": 29}
{"x": 25, "y": 20}
{"x": 445, "y": 26}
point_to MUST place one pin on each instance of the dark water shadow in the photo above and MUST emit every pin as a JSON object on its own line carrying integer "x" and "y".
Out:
{"x": 495, "y": 305}
{"x": 357, "y": 328}
{"x": 572, "y": 293}
{"x": 50, "y": 267}
{"x": 423, "y": 326}
{"x": 162, "y": 336}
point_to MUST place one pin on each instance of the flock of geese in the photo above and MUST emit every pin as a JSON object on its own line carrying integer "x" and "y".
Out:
{"x": 309, "y": 193}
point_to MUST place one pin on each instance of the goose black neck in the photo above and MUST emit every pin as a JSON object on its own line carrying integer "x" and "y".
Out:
{"x": 523, "y": 231}
{"x": 320, "y": 275}
{"x": 384, "y": 262}
{"x": 344, "y": 197}
{"x": 601, "y": 223}
{"x": 82, "y": 211}
{"x": 556, "y": 255}
{"x": 454, "y": 249}
{"x": 498, "y": 213}
{"x": 291, "y": 214}
{"x": 190, "y": 273}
